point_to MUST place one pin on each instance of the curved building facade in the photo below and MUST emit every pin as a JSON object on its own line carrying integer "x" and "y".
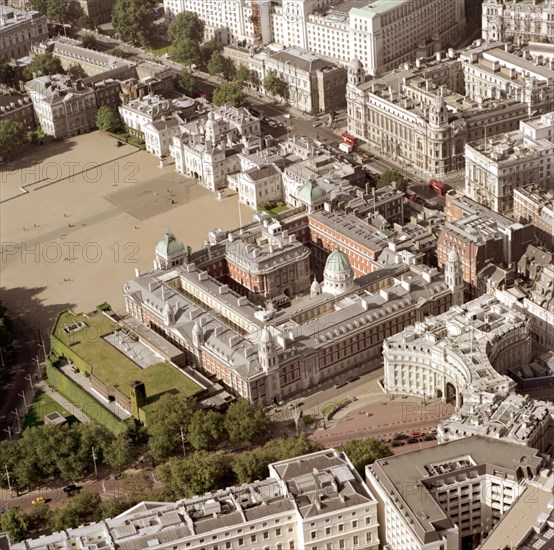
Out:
{"x": 466, "y": 350}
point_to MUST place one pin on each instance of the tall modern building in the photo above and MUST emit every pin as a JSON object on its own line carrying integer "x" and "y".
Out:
{"x": 381, "y": 33}
{"x": 455, "y": 495}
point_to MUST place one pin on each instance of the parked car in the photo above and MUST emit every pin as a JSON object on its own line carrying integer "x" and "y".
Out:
{"x": 272, "y": 124}
{"x": 397, "y": 443}
{"x": 287, "y": 115}
{"x": 70, "y": 490}
{"x": 400, "y": 436}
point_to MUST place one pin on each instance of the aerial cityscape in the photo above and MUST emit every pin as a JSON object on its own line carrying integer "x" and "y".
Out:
{"x": 277, "y": 275}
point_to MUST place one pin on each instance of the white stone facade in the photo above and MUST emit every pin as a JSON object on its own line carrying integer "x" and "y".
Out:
{"x": 465, "y": 350}
{"x": 495, "y": 167}
{"x": 63, "y": 108}
{"x": 524, "y": 21}
{"x": 19, "y": 30}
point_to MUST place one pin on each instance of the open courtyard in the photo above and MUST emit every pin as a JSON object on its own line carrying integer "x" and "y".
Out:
{"x": 77, "y": 217}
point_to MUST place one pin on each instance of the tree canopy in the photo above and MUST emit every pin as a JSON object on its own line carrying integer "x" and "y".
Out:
{"x": 12, "y": 135}
{"x": 186, "y": 26}
{"x": 245, "y": 423}
{"x": 88, "y": 40}
{"x": 44, "y": 64}
{"x": 172, "y": 415}
{"x": 393, "y": 176}
{"x": 273, "y": 85}
{"x": 186, "y": 82}
{"x": 229, "y": 92}
{"x": 7, "y": 73}
{"x": 243, "y": 74}
{"x": 14, "y": 522}
{"x": 205, "y": 429}
{"x": 362, "y": 452}
{"x": 107, "y": 120}
{"x": 133, "y": 21}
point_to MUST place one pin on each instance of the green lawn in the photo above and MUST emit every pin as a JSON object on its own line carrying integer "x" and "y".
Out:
{"x": 160, "y": 47}
{"x": 114, "y": 368}
{"x": 42, "y": 405}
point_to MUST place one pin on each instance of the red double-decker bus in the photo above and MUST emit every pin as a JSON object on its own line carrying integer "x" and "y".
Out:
{"x": 349, "y": 139}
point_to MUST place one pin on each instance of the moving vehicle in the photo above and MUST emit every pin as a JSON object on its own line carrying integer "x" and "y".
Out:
{"x": 287, "y": 115}
{"x": 411, "y": 195}
{"x": 437, "y": 186}
{"x": 349, "y": 139}
{"x": 39, "y": 500}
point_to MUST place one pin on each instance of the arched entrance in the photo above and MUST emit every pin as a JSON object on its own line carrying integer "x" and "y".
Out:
{"x": 439, "y": 394}
{"x": 450, "y": 393}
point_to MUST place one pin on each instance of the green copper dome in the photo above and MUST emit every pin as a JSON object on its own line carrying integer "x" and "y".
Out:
{"x": 311, "y": 192}
{"x": 337, "y": 262}
{"x": 169, "y": 246}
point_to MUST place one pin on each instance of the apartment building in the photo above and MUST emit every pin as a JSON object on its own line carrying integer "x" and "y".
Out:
{"x": 522, "y": 21}
{"x": 453, "y": 495}
{"x": 16, "y": 107}
{"x": 535, "y": 205}
{"x": 496, "y": 166}
{"x": 312, "y": 501}
{"x": 19, "y": 30}
{"x": 63, "y": 107}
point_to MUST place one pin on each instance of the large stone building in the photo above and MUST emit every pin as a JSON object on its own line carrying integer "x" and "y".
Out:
{"x": 382, "y": 34}
{"x": 452, "y": 496}
{"x": 496, "y": 166}
{"x": 315, "y": 500}
{"x": 208, "y": 149}
{"x": 523, "y": 21}
{"x": 535, "y": 205}
{"x": 422, "y": 116}
{"x": 513, "y": 418}
{"x": 19, "y": 30}
{"x": 16, "y": 107}
{"x": 204, "y": 303}
{"x": 311, "y": 83}
{"x": 63, "y": 107}
{"x": 465, "y": 350}
{"x": 480, "y": 237}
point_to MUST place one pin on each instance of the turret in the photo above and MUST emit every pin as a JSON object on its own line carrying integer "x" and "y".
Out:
{"x": 266, "y": 350}
{"x": 197, "y": 335}
{"x": 453, "y": 275}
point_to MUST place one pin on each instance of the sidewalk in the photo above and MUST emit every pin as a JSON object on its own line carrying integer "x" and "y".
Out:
{"x": 44, "y": 387}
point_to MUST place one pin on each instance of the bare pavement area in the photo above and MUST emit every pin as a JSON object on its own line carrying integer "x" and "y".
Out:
{"x": 78, "y": 216}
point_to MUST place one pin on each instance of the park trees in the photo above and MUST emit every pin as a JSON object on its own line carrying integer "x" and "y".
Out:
{"x": 136, "y": 487}
{"x": 119, "y": 452}
{"x": 186, "y": 33}
{"x": 14, "y": 522}
{"x": 12, "y": 136}
{"x": 107, "y": 120}
{"x": 167, "y": 424}
{"x": 391, "y": 176}
{"x": 205, "y": 429}
{"x": 362, "y": 452}
{"x": 229, "y": 92}
{"x": 133, "y": 21}
{"x": 245, "y": 423}
{"x": 86, "y": 507}
{"x": 196, "y": 474}
{"x": 58, "y": 11}
{"x": 43, "y": 64}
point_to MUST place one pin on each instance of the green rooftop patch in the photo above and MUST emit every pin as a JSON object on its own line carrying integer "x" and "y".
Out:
{"x": 42, "y": 405}
{"x": 80, "y": 338}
